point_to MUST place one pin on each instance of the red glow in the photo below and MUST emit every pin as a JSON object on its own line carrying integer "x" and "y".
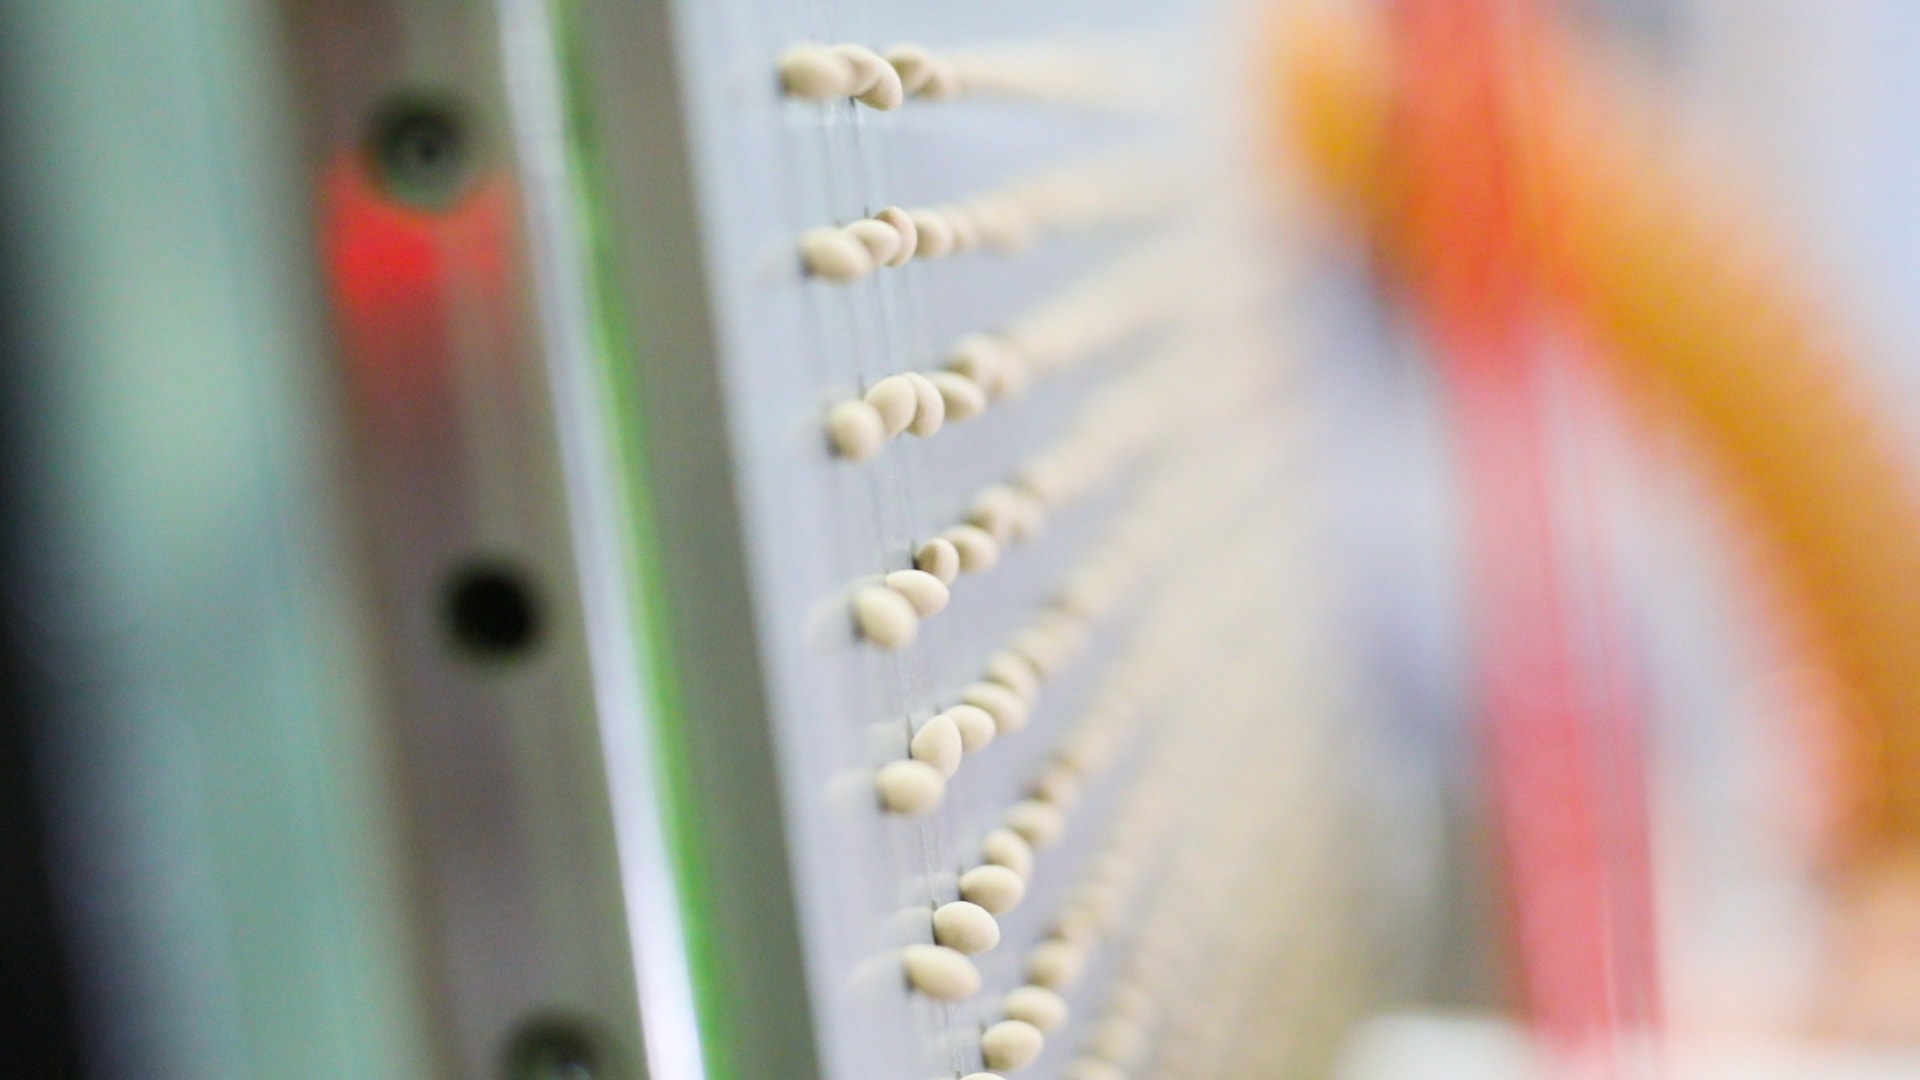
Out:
{"x": 405, "y": 281}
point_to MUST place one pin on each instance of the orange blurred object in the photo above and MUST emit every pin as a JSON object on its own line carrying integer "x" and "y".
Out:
{"x": 1696, "y": 314}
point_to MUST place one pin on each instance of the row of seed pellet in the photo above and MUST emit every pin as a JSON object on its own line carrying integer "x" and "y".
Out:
{"x": 1031, "y": 1011}
{"x": 1184, "y": 441}
{"x": 1197, "y": 497}
{"x": 1178, "y": 499}
{"x": 1182, "y": 636}
{"x": 1007, "y": 220}
{"x": 1009, "y": 853}
{"x": 885, "y": 79}
{"x": 1163, "y": 283}
{"x": 984, "y": 368}
{"x": 1123, "y": 423}
{"x": 1175, "y": 495}
{"x": 1183, "y": 817}
{"x": 979, "y": 372}
{"x": 1213, "y": 941}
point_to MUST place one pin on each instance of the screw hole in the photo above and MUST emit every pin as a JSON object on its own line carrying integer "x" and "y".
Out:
{"x": 423, "y": 152}
{"x": 555, "y": 1050}
{"x": 491, "y": 611}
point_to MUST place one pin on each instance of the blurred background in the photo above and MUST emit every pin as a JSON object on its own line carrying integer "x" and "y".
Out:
{"x": 1770, "y": 111}
{"x": 336, "y": 634}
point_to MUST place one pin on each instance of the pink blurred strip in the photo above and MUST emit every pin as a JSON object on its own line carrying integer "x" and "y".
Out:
{"x": 1577, "y": 874}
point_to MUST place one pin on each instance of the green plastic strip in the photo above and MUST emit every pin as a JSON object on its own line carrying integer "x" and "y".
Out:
{"x": 615, "y": 349}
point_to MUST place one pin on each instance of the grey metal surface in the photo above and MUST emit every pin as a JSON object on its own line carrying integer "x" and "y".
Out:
{"x": 450, "y": 312}
{"x": 614, "y": 593}
{"x": 736, "y": 357}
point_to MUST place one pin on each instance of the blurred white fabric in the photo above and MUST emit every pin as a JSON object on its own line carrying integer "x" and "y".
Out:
{"x": 1458, "y": 1047}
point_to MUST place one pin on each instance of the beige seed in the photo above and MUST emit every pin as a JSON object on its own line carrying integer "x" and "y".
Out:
{"x": 1009, "y": 712}
{"x": 938, "y": 744}
{"x": 936, "y": 234}
{"x": 1029, "y": 516}
{"x": 1131, "y": 1001}
{"x": 995, "y": 888}
{"x": 976, "y": 726}
{"x": 1016, "y": 230}
{"x": 1075, "y": 472}
{"x": 1092, "y": 1068}
{"x": 1114, "y": 870}
{"x": 878, "y": 237}
{"x": 865, "y": 62}
{"x": 1015, "y": 373}
{"x": 930, "y": 409}
{"x": 979, "y": 552}
{"x": 886, "y": 93}
{"x": 885, "y": 617}
{"x": 940, "y": 558}
{"x": 965, "y": 927}
{"x": 966, "y": 231}
{"x": 809, "y": 71}
{"x": 1010, "y": 1045}
{"x": 1003, "y": 226}
{"x": 977, "y": 356}
{"x": 895, "y": 400}
{"x": 1004, "y": 847}
{"x": 1093, "y": 744}
{"x": 988, "y": 220}
{"x": 1085, "y": 750}
{"x": 1014, "y": 672}
{"x": 1118, "y": 1041}
{"x": 857, "y": 430}
{"x": 911, "y": 788}
{"x": 1044, "y": 479}
{"x": 867, "y": 66}
{"x": 1036, "y": 1005}
{"x": 927, "y": 594}
{"x": 964, "y": 398}
{"x": 1090, "y": 593}
{"x": 994, "y": 511}
{"x": 945, "y": 82}
{"x": 1056, "y": 965}
{"x": 903, "y": 226}
{"x": 1041, "y": 648}
{"x": 1038, "y": 823}
{"x": 940, "y": 972}
{"x": 835, "y": 254}
{"x": 1071, "y": 629}
{"x": 1105, "y": 907}
{"x": 1075, "y": 923}
{"x": 915, "y": 65}
{"x": 1059, "y": 786}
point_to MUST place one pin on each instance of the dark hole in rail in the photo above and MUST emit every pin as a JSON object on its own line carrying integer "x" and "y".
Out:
{"x": 491, "y": 610}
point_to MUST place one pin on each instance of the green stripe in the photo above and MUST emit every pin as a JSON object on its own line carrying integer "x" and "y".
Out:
{"x": 616, "y": 364}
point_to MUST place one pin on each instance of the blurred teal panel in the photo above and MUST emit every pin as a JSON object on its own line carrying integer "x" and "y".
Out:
{"x": 218, "y": 790}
